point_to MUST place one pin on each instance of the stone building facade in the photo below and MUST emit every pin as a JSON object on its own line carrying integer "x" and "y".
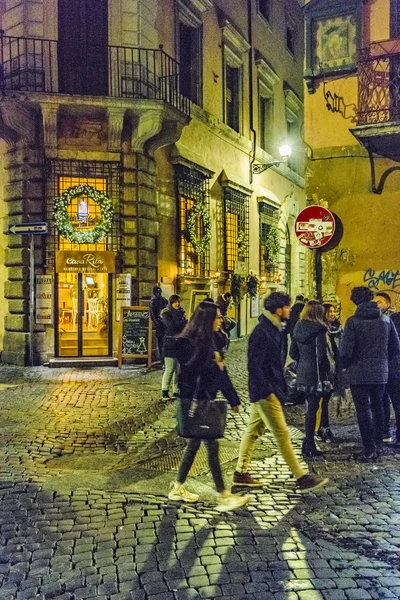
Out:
{"x": 351, "y": 124}
{"x": 158, "y": 106}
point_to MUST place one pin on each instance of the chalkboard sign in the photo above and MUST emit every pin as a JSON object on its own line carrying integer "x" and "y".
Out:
{"x": 135, "y": 334}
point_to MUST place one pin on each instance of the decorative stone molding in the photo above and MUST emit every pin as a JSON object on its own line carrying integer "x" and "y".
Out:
{"x": 232, "y": 36}
{"x": 156, "y": 127}
{"x": 187, "y": 14}
{"x": 294, "y": 105}
{"x": 17, "y": 121}
{"x": 202, "y": 5}
{"x": 115, "y": 124}
{"x": 49, "y": 118}
{"x": 266, "y": 75}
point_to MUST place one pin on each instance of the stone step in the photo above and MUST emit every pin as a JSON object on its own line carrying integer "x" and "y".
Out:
{"x": 85, "y": 361}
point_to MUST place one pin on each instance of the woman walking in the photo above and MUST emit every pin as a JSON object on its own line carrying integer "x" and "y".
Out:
{"x": 309, "y": 349}
{"x": 333, "y": 338}
{"x": 203, "y": 373}
{"x": 174, "y": 320}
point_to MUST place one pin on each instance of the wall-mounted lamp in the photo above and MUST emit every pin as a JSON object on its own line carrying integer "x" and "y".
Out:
{"x": 217, "y": 275}
{"x": 263, "y": 279}
{"x": 189, "y": 271}
{"x": 285, "y": 152}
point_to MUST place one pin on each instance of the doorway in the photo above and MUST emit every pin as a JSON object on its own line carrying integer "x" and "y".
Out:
{"x": 83, "y": 314}
{"x": 83, "y": 47}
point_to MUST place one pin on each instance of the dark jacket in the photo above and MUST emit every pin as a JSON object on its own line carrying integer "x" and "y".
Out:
{"x": 394, "y": 362}
{"x": 308, "y": 342}
{"x": 369, "y": 341}
{"x": 334, "y": 339}
{"x": 212, "y": 379}
{"x": 294, "y": 316}
{"x": 174, "y": 320}
{"x": 157, "y": 304}
{"x": 266, "y": 357}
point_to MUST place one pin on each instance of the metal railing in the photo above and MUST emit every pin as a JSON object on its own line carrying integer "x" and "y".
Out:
{"x": 379, "y": 83}
{"x": 36, "y": 65}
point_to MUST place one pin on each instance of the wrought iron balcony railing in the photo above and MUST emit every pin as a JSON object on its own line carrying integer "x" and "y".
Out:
{"x": 379, "y": 83}
{"x": 40, "y": 65}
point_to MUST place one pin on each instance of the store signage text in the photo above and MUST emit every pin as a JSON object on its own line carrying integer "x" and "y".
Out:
{"x": 44, "y": 299}
{"x": 85, "y": 262}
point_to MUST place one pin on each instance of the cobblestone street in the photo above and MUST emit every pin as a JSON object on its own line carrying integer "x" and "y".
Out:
{"x": 86, "y": 457}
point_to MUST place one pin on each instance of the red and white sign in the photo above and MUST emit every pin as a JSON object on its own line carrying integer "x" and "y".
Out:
{"x": 314, "y": 226}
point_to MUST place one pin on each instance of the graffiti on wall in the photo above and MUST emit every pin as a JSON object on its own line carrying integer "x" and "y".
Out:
{"x": 388, "y": 278}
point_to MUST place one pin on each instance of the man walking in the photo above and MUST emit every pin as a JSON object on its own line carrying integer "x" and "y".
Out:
{"x": 369, "y": 341}
{"x": 392, "y": 388}
{"x": 157, "y": 304}
{"x": 267, "y": 352}
{"x": 297, "y": 307}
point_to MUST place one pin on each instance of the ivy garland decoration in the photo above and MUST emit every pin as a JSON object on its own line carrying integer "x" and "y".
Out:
{"x": 252, "y": 285}
{"x": 201, "y": 245}
{"x": 272, "y": 246}
{"x": 242, "y": 242}
{"x": 63, "y": 221}
{"x": 236, "y": 287}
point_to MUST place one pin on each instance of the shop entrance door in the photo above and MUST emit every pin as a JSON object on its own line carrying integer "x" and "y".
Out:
{"x": 83, "y": 314}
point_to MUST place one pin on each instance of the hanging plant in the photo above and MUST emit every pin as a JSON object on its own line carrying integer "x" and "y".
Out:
{"x": 236, "y": 287}
{"x": 63, "y": 220}
{"x": 252, "y": 285}
{"x": 272, "y": 246}
{"x": 242, "y": 242}
{"x": 200, "y": 246}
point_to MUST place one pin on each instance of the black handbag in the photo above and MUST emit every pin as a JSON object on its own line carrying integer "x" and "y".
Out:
{"x": 201, "y": 418}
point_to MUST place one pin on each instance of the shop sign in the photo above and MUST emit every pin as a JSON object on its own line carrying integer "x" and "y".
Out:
{"x": 85, "y": 262}
{"x": 123, "y": 293}
{"x": 315, "y": 226}
{"x": 44, "y": 299}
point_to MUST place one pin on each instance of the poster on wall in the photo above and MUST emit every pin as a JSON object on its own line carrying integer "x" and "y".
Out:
{"x": 254, "y": 306}
{"x": 123, "y": 292}
{"x": 44, "y": 299}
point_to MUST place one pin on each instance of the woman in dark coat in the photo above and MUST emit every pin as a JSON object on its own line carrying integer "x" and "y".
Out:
{"x": 333, "y": 339}
{"x": 309, "y": 349}
{"x": 202, "y": 373}
{"x": 174, "y": 320}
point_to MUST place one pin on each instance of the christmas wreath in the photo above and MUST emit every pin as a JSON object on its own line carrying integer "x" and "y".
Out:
{"x": 242, "y": 242}
{"x": 201, "y": 245}
{"x": 236, "y": 287}
{"x": 63, "y": 221}
{"x": 252, "y": 284}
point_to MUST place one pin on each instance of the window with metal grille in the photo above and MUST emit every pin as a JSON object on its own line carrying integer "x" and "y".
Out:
{"x": 192, "y": 188}
{"x": 236, "y": 223}
{"x": 267, "y": 220}
{"x": 83, "y": 211}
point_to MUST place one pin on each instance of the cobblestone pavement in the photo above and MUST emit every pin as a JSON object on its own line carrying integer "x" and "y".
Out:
{"x": 84, "y": 513}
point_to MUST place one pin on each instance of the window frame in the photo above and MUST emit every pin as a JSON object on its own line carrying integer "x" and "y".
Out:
{"x": 190, "y": 19}
{"x": 192, "y": 187}
{"x": 237, "y": 203}
{"x": 266, "y": 18}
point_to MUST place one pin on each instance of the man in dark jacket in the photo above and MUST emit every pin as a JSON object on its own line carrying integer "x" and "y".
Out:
{"x": 392, "y": 388}
{"x": 267, "y": 352}
{"x": 369, "y": 341}
{"x": 157, "y": 304}
{"x": 297, "y": 307}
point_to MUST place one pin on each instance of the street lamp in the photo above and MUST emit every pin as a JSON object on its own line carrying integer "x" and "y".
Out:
{"x": 285, "y": 152}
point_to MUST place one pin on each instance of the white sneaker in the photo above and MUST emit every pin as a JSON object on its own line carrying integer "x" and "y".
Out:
{"x": 230, "y": 501}
{"x": 179, "y": 492}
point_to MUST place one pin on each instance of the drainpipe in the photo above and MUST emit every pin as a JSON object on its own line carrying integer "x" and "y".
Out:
{"x": 251, "y": 105}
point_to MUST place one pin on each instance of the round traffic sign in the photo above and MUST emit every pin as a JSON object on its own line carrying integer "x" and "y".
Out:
{"x": 314, "y": 226}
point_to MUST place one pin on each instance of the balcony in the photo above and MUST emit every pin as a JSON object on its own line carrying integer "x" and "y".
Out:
{"x": 40, "y": 65}
{"x": 378, "y": 114}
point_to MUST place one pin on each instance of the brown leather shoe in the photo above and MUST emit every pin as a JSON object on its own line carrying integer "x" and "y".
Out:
{"x": 246, "y": 480}
{"x": 310, "y": 482}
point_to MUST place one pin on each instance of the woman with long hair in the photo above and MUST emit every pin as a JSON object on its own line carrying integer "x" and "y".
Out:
{"x": 333, "y": 337}
{"x": 203, "y": 373}
{"x": 309, "y": 349}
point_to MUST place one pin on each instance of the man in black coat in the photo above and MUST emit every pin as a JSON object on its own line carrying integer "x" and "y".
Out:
{"x": 370, "y": 340}
{"x": 157, "y": 304}
{"x": 392, "y": 388}
{"x": 267, "y": 352}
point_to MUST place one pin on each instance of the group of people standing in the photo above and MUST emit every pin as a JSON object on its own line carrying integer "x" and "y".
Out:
{"x": 368, "y": 349}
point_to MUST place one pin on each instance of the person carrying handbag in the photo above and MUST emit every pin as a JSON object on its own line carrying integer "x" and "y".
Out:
{"x": 309, "y": 349}
{"x": 202, "y": 374}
